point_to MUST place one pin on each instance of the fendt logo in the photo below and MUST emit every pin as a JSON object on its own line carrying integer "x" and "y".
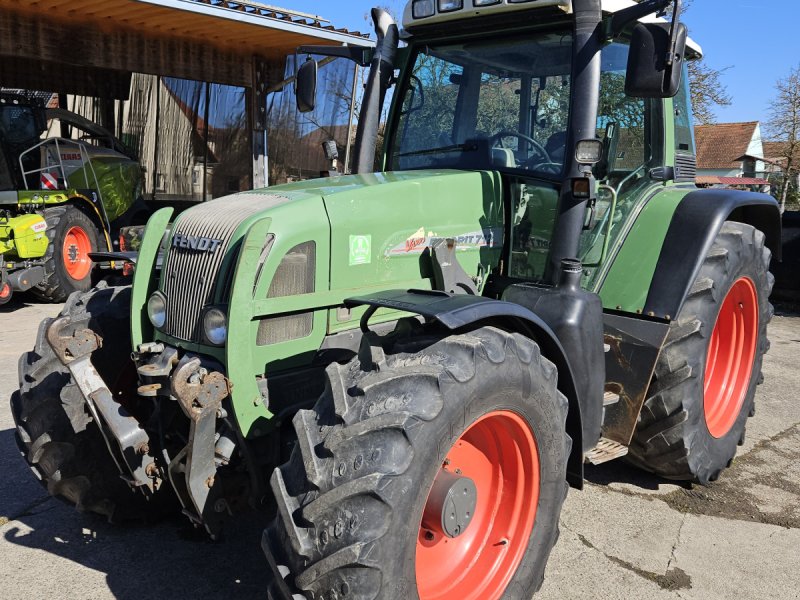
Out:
{"x": 195, "y": 242}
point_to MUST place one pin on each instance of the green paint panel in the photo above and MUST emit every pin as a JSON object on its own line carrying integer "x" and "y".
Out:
{"x": 629, "y": 278}
{"x": 144, "y": 277}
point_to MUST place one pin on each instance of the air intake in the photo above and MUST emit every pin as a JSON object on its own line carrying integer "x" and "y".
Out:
{"x": 295, "y": 276}
{"x": 685, "y": 167}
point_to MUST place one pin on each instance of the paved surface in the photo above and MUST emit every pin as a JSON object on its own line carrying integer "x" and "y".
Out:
{"x": 628, "y": 535}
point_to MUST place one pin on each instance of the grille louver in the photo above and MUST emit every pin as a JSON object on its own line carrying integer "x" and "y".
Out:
{"x": 685, "y": 167}
{"x": 295, "y": 275}
{"x": 189, "y": 277}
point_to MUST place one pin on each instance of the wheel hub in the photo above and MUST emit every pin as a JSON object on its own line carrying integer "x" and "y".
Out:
{"x": 451, "y": 505}
{"x": 480, "y": 511}
{"x": 729, "y": 361}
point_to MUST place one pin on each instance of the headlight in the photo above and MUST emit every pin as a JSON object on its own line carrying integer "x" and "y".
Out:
{"x": 215, "y": 326}
{"x": 422, "y": 8}
{"x": 484, "y": 2}
{"x": 157, "y": 310}
{"x": 450, "y": 5}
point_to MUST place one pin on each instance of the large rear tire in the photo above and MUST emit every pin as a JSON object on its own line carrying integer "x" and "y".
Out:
{"x": 393, "y": 423}
{"x": 705, "y": 380}
{"x": 55, "y": 433}
{"x": 68, "y": 268}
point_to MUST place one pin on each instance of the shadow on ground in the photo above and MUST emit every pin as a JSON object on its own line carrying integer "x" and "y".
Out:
{"x": 165, "y": 560}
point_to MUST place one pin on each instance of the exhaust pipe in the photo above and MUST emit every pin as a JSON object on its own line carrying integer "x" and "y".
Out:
{"x": 380, "y": 73}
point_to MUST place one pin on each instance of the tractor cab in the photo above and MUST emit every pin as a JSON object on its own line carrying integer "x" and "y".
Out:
{"x": 22, "y": 122}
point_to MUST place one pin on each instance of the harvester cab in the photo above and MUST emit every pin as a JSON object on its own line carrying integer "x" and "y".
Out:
{"x": 60, "y": 199}
{"x": 409, "y": 366}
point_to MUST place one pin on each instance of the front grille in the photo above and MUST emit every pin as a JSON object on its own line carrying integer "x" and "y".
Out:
{"x": 190, "y": 277}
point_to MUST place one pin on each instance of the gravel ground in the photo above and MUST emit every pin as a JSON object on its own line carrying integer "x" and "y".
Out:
{"x": 627, "y": 535}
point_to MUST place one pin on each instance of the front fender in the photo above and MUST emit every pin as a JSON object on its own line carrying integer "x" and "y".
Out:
{"x": 460, "y": 311}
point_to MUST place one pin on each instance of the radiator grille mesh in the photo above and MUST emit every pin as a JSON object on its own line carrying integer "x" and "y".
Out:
{"x": 295, "y": 275}
{"x": 190, "y": 277}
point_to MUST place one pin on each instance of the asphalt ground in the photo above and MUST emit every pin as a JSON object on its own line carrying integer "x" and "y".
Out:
{"x": 627, "y": 535}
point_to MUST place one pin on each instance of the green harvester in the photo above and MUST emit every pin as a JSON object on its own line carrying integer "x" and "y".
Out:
{"x": 60, "y": 199}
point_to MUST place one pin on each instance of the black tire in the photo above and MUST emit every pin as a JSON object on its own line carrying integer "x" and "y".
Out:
{"x": 58, "y": 283}
{"x": 672, "y": 438}
{"x": 56, "y": 436}
{"x": 351, "y": 496}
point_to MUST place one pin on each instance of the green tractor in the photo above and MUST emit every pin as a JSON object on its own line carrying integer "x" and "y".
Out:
{"x": 60, "y": 199}
{"x": 410, "y": 367}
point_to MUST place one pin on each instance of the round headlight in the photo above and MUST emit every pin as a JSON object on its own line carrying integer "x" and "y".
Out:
{"x": 215, "y": 326}
{"x": 157, "y": 310}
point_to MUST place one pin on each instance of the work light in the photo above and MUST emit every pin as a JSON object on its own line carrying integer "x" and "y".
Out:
{"x": 484, "y": 2}
{"x": 450, "y": 5}
{"x": 422, "y": 8}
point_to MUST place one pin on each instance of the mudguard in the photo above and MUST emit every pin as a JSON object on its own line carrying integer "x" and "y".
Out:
{"x": 459, "y": 311}
{"x": 694, "y": 227}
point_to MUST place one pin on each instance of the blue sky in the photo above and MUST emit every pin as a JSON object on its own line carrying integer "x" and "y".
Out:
{"x": 758, "y": 39}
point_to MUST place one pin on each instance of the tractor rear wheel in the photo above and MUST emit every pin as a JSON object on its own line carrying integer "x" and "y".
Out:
{"x": 68, "y": 268}
{"x": 55, "y": 433}
{"x": 705, "y": 379}
{"x": 433, "y": 468}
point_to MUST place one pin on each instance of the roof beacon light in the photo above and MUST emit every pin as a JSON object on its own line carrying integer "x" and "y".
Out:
{"x": 450, "y": 5}
{"x": 422, "y": 9}
{"x": 484, "y": 2}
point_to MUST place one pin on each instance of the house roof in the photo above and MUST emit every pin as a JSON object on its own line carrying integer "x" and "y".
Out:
{"x": 719, "y": 146}
{"x": 775, "y": 152}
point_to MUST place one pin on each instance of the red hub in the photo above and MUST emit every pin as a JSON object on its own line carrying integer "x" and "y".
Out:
{"x": 5, "y": 292}
{"x": 731, "y": 352}
{"x": 495, "y": 464}
{"x": 75, "y": 253}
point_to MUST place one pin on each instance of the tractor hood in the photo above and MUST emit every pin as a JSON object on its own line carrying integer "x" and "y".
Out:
{"x": 363, "y": 230}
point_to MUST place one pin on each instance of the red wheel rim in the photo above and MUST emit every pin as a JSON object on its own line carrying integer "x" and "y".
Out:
{"x": 499, "y": 453}
{"x": 75, "y": 253}
{"x": 5, "y": 291}
{"x": 729, "y": 362}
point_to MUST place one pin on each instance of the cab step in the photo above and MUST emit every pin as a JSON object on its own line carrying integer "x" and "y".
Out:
{"x": 605, "y": 451}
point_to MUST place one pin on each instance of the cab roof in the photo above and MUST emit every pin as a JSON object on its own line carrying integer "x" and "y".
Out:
{"x": 470, "y": 11}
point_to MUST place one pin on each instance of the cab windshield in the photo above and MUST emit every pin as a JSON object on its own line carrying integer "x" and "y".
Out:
{"x": 487, "y": 104}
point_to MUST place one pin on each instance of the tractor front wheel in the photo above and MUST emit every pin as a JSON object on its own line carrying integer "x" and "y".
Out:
{"x": 432, "y": 468}
{"x": 55, "y": 433}
{"x": 705, "y": 379}
{"x": 68, "y": 268}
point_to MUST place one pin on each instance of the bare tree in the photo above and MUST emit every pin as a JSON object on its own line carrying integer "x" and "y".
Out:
{"x": 708, "y": 91}
{"x": 784, "y": 126}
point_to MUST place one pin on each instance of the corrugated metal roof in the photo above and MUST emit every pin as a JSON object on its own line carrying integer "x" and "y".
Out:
{"x": 242, "y": 26}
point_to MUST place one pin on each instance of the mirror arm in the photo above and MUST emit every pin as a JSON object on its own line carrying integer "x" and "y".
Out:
{"x": 620, "y": 20}
{"x": 673, "y": 33}
{"x": 357, "y": 54}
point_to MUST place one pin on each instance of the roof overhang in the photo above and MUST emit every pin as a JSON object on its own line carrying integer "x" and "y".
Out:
{"x": 191, "y": 39}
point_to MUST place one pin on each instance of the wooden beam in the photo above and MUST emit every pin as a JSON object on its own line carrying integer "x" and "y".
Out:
{"x": 35, "y": 38}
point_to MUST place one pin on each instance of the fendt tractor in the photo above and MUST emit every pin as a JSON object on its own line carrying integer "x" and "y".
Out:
{"x": 410, "y": 367}
{"x": 60, "y": 199}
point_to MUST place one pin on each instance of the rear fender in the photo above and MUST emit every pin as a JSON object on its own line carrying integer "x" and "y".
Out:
{"x": 458, "y": 312}
{"x": 694, "y": 227}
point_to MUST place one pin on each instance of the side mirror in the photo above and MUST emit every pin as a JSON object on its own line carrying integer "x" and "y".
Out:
{"x": 306, "y": 86}
{"x": 654, "y": 68}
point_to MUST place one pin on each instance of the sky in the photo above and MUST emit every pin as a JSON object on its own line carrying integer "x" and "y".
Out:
{"x": 758, "y": 41}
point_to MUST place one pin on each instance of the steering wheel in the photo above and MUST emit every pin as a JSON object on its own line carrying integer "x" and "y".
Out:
{"x": 497, "y": 142}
